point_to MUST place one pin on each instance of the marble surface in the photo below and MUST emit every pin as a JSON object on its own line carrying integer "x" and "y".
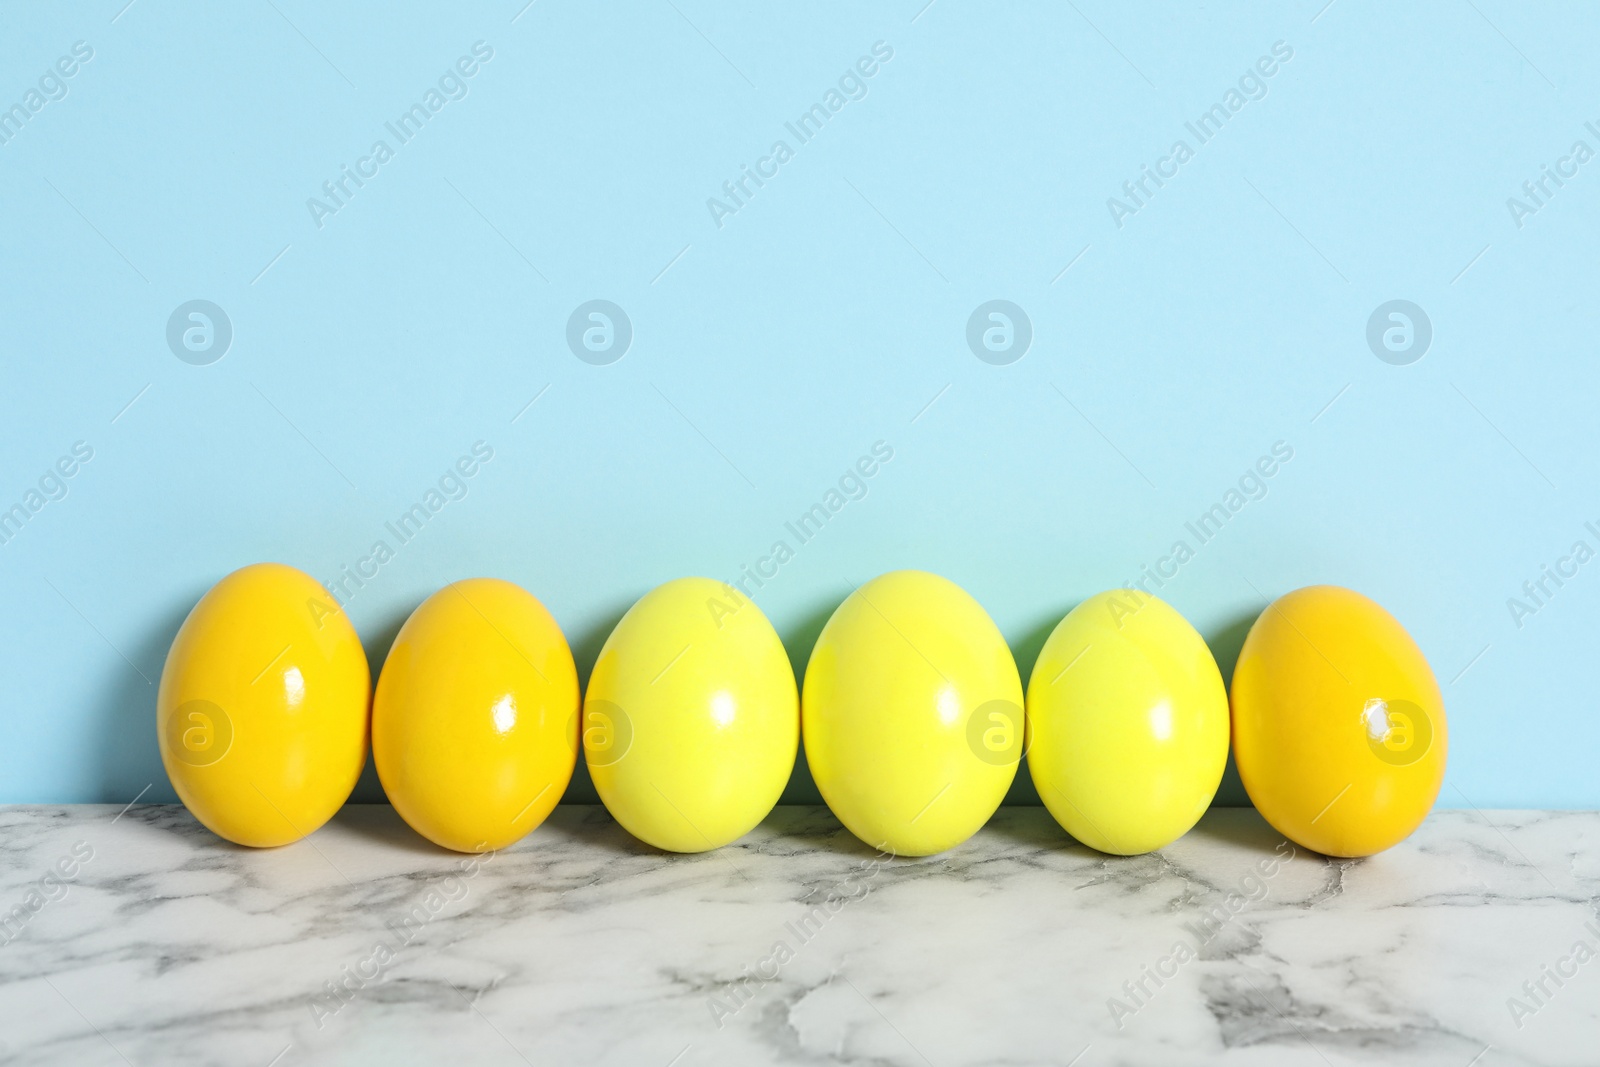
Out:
{"x": 135, "y": 936}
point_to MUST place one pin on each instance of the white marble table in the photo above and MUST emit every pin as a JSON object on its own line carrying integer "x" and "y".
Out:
{"x": 143, "y": 939}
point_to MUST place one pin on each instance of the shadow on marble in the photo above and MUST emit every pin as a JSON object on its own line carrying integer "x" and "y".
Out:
{"x": 1035, "y": 828}
{"x": 787, "y": 830}
{"x": 1240, "y": 827}
{"x": 382, "y": 825}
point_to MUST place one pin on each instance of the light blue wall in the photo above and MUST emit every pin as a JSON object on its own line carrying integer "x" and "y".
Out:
{"x": 826, "y": 314}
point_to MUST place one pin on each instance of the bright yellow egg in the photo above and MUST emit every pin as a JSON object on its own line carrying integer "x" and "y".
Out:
{"x": 1338, "y": 724}
{"x": 475, "y": 722}
{"x": 1128, "y": 723}
{"x": 912, "y": 714}
{"x": 262, "y": 710}
{"x": 691, "y": 721}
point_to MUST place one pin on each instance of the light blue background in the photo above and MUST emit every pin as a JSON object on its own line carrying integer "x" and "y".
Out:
{"x": 771, "y": 352}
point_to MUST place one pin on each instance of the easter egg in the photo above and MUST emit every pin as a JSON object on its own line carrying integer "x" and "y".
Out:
{"x": 691, "y": 721}
{"x": 261, "y": 715}
{"x": 912, "y": 714}
{"x": 475, "y": 720}
{"x": 1338, "y": 725}
{"x": 1127, "y": 722}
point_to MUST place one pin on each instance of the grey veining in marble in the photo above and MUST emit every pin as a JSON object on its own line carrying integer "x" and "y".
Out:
{"x": 141, "y": 938}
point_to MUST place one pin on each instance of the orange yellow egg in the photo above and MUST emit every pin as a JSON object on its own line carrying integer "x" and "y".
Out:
{"x": 475, "y": 720}
{"x": 1338, "y": 724}
{"x": 261, "y": 714}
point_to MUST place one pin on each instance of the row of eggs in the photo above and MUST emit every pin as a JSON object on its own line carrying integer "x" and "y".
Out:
{"x": 913, "y": 716}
